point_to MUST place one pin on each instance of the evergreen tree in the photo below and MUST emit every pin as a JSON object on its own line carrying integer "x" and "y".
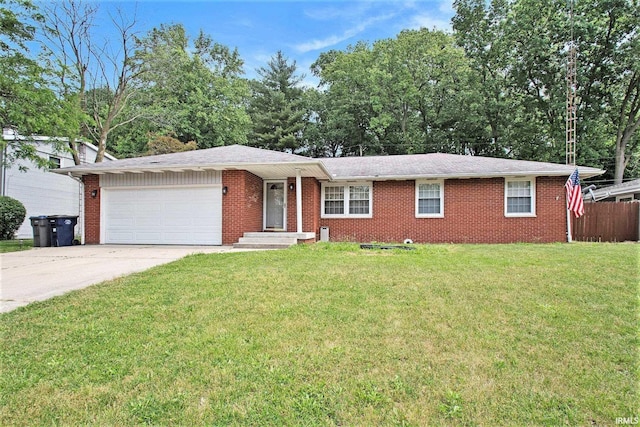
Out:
{"x": 277, "y": 106}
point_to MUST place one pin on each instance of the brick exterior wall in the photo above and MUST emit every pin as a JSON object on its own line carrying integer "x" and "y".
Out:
{"x": 241, "y": 206}
{"x": 473, "y": 213}
{"x": 310, "y": 205}
{"x": 91, "y": 210}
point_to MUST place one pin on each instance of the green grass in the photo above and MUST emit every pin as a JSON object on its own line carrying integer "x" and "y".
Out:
{"x": 334, "y": 335}
{"x": 15, "y": 245}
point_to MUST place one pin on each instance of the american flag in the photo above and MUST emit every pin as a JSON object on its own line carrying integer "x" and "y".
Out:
{"x": 574, "y": 194}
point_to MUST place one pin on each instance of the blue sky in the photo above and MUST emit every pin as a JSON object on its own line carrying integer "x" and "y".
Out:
{"x": 301, "y": 29}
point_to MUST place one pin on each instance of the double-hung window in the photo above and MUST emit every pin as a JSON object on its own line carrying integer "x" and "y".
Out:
{"x": 430, "y": 199}
{"x": 333, "y": 200}
{"x": 346, "y": 201}
{"x": 520, "y": 197}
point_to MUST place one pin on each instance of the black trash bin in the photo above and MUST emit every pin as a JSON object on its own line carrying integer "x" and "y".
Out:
{"x": 62, "y": 229}
{"x": 41, "y": 231}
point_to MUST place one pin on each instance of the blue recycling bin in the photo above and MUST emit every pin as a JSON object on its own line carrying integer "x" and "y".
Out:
{"x": 62, "y": 229}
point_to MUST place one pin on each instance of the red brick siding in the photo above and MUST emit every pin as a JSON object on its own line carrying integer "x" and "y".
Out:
{"x": 473, "y": 208}
{"x": 473, "y": 213}
{"x": 310, "y": 205}
{"x": 91, "y": 209}
{"x": 291, "y": 198}
{"x": 241, "y": 206}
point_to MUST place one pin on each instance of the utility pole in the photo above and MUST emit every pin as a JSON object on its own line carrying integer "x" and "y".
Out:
{"x": 571, "y": 96}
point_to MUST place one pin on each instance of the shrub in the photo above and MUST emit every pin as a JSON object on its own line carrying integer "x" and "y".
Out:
{"x": 12, "y": 213}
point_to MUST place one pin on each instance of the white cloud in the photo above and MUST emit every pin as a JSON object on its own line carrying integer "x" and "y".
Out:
{"x": 326, "y": 42}
{"x": 429, "y": 22}
{"x": 318, "y": 44}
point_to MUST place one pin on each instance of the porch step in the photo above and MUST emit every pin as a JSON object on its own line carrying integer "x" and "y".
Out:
{"x": 269, "y": 234}
{"x": 239, "y": 245}
{"x": 266, "y": 241}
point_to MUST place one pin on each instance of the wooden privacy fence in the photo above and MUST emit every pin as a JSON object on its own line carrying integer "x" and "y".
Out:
{"x": 607, "y": 222}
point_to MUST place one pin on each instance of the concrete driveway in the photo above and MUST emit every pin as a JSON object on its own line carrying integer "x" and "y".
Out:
{"x": 41, "y": 273}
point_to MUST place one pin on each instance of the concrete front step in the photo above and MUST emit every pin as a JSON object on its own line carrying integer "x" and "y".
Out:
{"x": 268, "y": 235}
{"x": 264, "y": 245}
{"x": 269, "y": 240}
{"x": 275, "y": 240}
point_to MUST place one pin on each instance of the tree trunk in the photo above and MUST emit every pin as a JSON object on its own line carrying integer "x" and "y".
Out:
{"x": 627, "y": 123}
{"x": 102, "y": 145}
{"x": 73, "y": 146}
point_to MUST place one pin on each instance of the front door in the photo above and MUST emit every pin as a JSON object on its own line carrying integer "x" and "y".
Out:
{"x": 275, "y": 205}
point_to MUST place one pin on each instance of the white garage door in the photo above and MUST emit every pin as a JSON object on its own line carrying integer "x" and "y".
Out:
{"x": 167, "y": 216}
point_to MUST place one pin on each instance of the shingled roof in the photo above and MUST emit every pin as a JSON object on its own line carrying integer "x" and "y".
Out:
{"x": 439, "y": 165}
{"x": 264, "y": 163}
{"x": 275, "y": 164}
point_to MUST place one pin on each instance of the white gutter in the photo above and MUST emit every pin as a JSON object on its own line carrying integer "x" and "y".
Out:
{"x": 460, "y": 176}
{"x": 79, "y": 171}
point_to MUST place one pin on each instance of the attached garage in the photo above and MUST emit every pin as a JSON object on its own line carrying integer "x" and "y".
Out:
{"x": 161, "y": 214}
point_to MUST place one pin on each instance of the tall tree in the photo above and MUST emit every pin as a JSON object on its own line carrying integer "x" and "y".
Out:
{"x": 277, "y": 106}
{"x": 401, "y": 95}
{"x": 609, "y": 79}
{"x": 519, "y": 49}
{"x": 97, "y": 78}
{"x": 27, "y": 105}
{"x": 193, "y": 91}
{"x": 324, "y": 135}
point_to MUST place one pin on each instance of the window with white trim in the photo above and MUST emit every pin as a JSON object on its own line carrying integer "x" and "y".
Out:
{"x": 430, "y": 199}
{"x": 334, "y": 200}
{"x": 346, "y": 201}
{"x": 520, "y": 197}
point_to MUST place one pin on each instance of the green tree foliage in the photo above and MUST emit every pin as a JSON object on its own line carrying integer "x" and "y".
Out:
{"x": 12, "y": 214}
{"x": 27, "y": 105}
{"x": 411, "y": 94}
{"x": 95, "y": 78}
{"x": 277, "y": 106}
{"x": 349, "y": 107}
{"x": 518, "y": 51}
{"x": 192, "y": 91}
{"x": 322, "y": 135}
{"x": 167, "y": 144}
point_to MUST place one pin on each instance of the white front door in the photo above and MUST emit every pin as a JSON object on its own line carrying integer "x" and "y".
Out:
{"x": 275, "y": 205}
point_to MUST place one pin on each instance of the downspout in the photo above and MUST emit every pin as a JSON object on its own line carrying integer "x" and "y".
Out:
{"x": 3, "y": 173}
{"x": 80, "y": 206}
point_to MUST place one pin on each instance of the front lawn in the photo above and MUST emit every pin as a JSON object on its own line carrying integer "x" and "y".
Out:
{"x": 15, "y": 245}
{"x": 330, "y": 334}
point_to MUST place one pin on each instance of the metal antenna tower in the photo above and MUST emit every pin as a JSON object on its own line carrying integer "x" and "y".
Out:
{"x": 571, "y": 95}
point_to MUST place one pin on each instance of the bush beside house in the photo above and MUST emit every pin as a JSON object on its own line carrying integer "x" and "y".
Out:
{"x": 12, "y": 214}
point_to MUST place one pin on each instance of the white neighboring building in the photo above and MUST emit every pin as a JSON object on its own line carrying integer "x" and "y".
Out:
{"x": 626, "y": 192}
{"x": 40, "y": 191}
